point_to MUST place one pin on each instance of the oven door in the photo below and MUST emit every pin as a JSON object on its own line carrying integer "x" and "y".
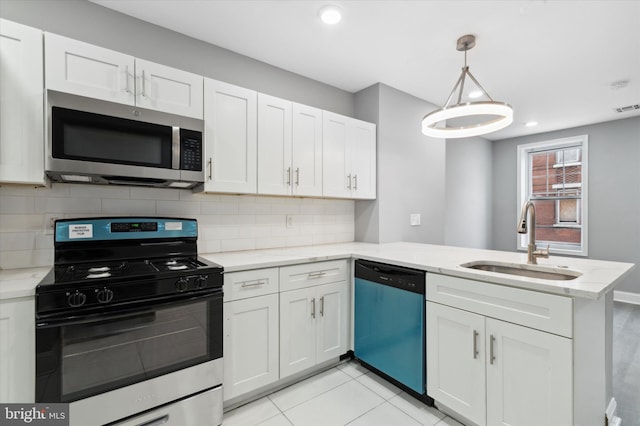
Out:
{"x": 79, "y": 357}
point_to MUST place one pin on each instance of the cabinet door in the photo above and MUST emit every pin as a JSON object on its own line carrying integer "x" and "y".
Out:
{"x": 17, "y": 349}
{"x": 307, "y": 150}
{"x": 250, "y": 344}
{"x": 274, "y": 146}
{"x": 456, "y": 360}
{"x": 168, "y": 89}
{"x": 230, "y": 114}
{"x": 362, "y": 136}
{"x": 529, "y": 376}
{"x": 298, "y": 311}
{"x": 336, "y": 157}
{"x": 332, "y": 321}
{"x": 21, "y": 104}
{"x": 86, "y": 70}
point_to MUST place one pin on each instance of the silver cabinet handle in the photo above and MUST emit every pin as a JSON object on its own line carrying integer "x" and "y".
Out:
{"x": 322, "y": 306}
{"x": 252, "y": 283}
{"x": 126, "y": 77}
{"x": 313, "y": 308}
{"x": 159, "y": 421}
{"x": 348, "y": 181}
{"x": 297, "y": 176}
{"x": 475, "y": 344}
{"x": 355, "y": 182}
{"x": 144, "y": 85}
{"x": 209, "y": 163}
{"x": 491, "y": 355}
{"x": 318, "y": 274}
{"x": 289, "y": 176}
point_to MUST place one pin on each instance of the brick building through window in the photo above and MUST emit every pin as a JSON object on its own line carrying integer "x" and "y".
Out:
{"x": 552, "y": 175}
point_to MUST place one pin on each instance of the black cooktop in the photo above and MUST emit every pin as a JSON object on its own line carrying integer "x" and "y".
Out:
{"x": 103, "y": 262}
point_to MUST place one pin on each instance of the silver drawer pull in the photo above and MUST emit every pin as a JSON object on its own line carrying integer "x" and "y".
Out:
{"x": 313, "y": 308}
{"x": 322, "y": 306}
{"x": 318, "y": 274}
{"x": 252, "y": 283}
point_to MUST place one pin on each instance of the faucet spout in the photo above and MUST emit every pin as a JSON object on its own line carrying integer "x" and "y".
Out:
{"x": 532, "y": 252}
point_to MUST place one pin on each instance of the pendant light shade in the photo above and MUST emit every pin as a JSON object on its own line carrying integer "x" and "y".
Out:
{"x": 467, "y": 118}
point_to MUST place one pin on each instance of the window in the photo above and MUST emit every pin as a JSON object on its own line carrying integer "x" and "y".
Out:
{"x": 553, "y": 174}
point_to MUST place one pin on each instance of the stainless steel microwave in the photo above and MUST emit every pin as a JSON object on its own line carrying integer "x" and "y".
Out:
{"x": 91, "y": 141}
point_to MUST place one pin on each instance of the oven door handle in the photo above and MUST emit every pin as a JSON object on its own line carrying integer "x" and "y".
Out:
{"x": 130, "y": 312}
{"x": 156, "y": 422}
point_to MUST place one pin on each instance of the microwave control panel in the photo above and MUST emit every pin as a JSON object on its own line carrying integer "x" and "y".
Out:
{"x": 190, "y": 150}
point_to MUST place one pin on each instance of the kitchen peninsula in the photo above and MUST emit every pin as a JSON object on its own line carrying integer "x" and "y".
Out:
{"x": 579, "y": 312}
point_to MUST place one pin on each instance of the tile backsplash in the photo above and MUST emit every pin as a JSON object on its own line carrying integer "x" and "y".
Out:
{"x": 226, "y": 222}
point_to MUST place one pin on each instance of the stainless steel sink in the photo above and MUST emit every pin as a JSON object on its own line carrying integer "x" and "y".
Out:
{"x": 524, "y": 270}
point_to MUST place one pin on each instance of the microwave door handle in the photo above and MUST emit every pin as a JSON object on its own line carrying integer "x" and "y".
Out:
{"x": 175, "y": 148}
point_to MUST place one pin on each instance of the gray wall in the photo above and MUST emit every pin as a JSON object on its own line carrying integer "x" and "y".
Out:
{"x": 411, "y": 171}
{"x": 97, "y": 25}
{"x": 614, "y": 192}
{"x": 468, "y": 193}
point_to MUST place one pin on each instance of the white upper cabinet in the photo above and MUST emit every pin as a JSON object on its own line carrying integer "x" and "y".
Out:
{"x": 21, "y": 104}
{"x": 230, "y": 138}
{"x": 83, "y": 69}
{"x": 362, "y": 136}
{"x": 307, "y": 151}
{"x": 349, "y": 157}
{"x": 289, "y": 148}
{"x": 274, "y": 145}
{"x": 168, "y": 89}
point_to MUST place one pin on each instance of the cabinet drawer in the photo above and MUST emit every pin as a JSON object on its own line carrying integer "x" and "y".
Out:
{"x": 244, "y": 284}
{"x": 312, "y": 274}
{"x": 546, "y": 312}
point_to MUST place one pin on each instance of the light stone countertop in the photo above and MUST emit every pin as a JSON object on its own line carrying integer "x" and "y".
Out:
{"x": 598, "y": 277}
{"x": 16, "y": 283}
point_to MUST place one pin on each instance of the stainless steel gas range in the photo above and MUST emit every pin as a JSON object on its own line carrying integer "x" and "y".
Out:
{"x": 129, "y": 324}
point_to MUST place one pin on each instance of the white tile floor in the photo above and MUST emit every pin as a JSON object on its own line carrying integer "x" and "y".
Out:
{"x": 345, "y": 395}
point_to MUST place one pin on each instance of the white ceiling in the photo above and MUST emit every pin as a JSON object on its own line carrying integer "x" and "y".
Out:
{"x": 553, "y": 61}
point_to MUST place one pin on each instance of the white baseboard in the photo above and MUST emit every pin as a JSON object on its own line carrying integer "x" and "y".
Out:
{"x": 626, "y": 297}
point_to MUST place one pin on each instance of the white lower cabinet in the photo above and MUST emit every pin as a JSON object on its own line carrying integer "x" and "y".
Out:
{"x": 313, "y": 326}
{"x": 250, "y": 344}
{"x": 456, "y": 360}
{"x": 251, "y": 331}
{"x": 280, "y": 321}
{"x": 313, "y": 314}
{"x": 17, "y": 349}
{"x": 490, "y": 371}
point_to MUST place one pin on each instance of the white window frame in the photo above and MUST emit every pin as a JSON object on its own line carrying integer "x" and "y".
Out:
{"x": 522, "y": 191}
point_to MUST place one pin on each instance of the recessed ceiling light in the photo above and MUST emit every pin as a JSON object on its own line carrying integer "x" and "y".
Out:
{"x": 475, "y": 94}
{"x": 531, "y": 123}
{"x": 330, "y": 14}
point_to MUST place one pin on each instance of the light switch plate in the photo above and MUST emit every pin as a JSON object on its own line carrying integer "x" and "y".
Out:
{"x": 414, "y": 219}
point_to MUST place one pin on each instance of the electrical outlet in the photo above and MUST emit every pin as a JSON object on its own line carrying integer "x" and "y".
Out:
{"x": 49, "y": 222}
{"x": 289, "y": 221}
{"x": 414, "y": 219}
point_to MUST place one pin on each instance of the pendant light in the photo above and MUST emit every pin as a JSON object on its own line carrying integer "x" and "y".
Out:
{"x": 468, "y": 118}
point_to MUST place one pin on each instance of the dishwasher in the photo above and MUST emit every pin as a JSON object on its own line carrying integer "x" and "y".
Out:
{"x": 389, "y": 324}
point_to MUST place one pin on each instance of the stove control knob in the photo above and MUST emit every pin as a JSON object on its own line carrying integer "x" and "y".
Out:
{"x": 104, "y": 296}
{"x": 181, "y": 284}
{"x": 76, "y": 299}
{"x": 201, "y": 281}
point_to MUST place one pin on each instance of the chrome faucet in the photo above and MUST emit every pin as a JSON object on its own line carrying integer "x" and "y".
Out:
{"x": 532, "y": 252}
